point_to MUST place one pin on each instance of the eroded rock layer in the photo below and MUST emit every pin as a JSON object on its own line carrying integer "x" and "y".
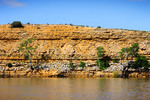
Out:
{"x": 63, "y": 42}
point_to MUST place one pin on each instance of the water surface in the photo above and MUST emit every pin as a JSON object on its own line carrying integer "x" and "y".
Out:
{"x": 74, "y": 89}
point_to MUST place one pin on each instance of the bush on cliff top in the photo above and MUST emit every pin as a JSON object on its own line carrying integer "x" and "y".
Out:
{"x": 98, "y": 27}
{"x": 16, "y": 24}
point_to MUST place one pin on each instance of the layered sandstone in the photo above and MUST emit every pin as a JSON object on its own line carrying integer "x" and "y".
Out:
{"x": 64, "y": 42}
{"x": 71, "y": 74}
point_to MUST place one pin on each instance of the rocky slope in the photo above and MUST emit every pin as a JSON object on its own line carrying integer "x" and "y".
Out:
{"x": 64, "y": 42}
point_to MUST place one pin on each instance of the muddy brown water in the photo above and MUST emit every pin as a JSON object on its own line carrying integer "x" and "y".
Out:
{"x": 74, "y": 89}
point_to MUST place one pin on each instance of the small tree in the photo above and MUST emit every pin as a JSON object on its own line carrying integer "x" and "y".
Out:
{"x": 134, "y": 50}
{"x": 100, "y": 54}
{"x": 104, "y": 63}
{"x": 27, "y": 48}
{"x": 16, "y": 24}
{"x": 71, "y": 64}
{"x": 102, "y": 60}
{"x": 121, "y": 55}
{"x": 141, "y": 61}
{"x": 82, "y": 64}
{"x": 129, "y": 52}
{"x": 125, "y": 52}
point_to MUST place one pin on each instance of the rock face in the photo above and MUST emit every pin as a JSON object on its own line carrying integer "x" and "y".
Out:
{"x": 114, "y": 67}
{"x": 63, "y": 42}
{"x": 72, "y": 74}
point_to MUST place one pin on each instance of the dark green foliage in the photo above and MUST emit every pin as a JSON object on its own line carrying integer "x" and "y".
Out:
{"x": 100, "y": 52}
{"x": 115, "y": 60}
{"x": 10, "y": 65}
{"x": 121, "y": 55}
{"x": 27, "y": 47}
{"x": 28, "y": 23}
{"x": 82, "y": 64}
{"x": 104, "y": 63}
{"x": 129, "y": 52}
{"x": 141, "y": 61}
{"x": 98, "y": 27}
{"x": 76, "y": 58}
{"x": 125, "y": 52}
{"x": 16, "y": 24}
{"x": 70, "y": 64}
{"x": 26, "y": 56}
{"x": 102, "y": 60}
{"x": 134, "y": 50}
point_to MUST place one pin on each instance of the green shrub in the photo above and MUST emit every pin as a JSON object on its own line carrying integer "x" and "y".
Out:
{"x": 16, "y": 24}
{"x": 141, "y": 61}
{"x": 26, "y": 56}
{"x": 10, "y": 65}
{"x": 115, "y": 60}
{"x": 76, "y": 58}
{"x": 115, "y": 74}
{"x": 98, "y": 27}
{"x": 71, "y": 24}
{"x": 82, "y": 64}
{"x": 71, "y": 64}
{"x": 104, "y": 63}
{"x": 28, "y": 23}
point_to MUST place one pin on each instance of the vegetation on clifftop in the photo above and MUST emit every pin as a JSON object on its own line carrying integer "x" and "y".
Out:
{"x": 16, "y": 24}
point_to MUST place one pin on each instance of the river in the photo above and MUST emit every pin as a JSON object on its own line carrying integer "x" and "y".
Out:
{"x": 74, "y": 89}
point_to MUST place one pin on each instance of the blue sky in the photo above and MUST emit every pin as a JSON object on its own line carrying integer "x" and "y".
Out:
{"x": 126, "y": 14}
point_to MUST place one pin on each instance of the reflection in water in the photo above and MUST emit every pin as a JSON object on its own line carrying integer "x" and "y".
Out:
{"x": 74, "y": 89}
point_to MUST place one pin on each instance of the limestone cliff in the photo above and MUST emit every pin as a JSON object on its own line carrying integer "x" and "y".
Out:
{"x": 63, "y": 42}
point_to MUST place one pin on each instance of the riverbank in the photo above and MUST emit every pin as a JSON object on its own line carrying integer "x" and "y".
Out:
{"x": 71, "y": 74}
